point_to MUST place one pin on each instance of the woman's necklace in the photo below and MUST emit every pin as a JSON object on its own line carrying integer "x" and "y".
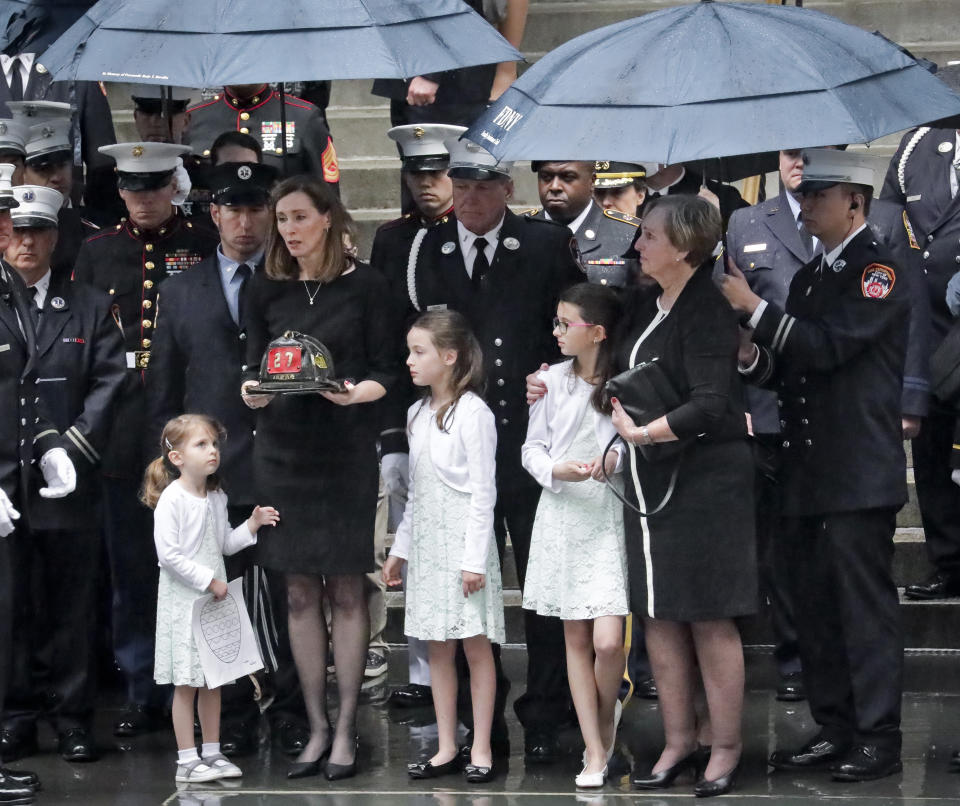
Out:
{"x": 312, "y": 296}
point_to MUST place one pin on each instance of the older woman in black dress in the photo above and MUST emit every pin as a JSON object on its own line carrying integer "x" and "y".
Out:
{"x": 315, "y": 455}
{"x": 692, "y": 567}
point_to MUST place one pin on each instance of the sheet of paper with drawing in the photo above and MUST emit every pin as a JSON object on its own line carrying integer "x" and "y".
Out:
{"x": 224, "y": 637}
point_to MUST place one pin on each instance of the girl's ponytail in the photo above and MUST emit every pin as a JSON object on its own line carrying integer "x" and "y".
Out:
{"x": 157, "y": 477}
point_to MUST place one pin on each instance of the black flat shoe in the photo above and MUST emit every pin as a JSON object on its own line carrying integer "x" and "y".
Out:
{"x": 719, "y": 786}
{"x": 337, "y": 772}
{"x": 425, "y": 769}
{"x": 473, "y": 774}
{"x": 306, "y": 769}
{"x": 665, "y": 778}
{"x": 411, "y": 695}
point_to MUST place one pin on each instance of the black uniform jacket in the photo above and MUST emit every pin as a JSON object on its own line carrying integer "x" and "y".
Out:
{"x": 606, "y": 240}
{"x": 511, "y": 313}
{"x": 80, "y": 373}
{"x": 691, "y": 182}
{"x": 73, "y": 229}
{"x": 196, "y": 365}
{"x": 24, "y": 434}
{"x": 309, "y": 145}
{"x": 131, "y": 264}
{"x": 835, "y": 356}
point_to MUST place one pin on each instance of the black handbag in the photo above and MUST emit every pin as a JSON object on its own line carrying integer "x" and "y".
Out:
{"x": 945, "y": 367}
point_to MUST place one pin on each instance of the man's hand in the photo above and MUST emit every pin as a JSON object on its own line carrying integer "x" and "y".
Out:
{"x": 536, "y": 388}
{"x": 422, "y": 91}
{"x": 59, "y": 474}
{"x": 7, "y": 515}
{"x": 254, "y": 401}
{"x": 736, "y": 289}
{"x": 911, "y": 426}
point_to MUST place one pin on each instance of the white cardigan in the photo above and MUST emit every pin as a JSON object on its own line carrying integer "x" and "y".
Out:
{"x": 553, "y": 424}
{"x": 178, "y": 524}
{"x": 464, "y": 457}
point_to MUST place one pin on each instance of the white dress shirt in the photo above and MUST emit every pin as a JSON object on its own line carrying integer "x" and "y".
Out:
{"x": 466, "y": 244}
{"x": 953, "y": 166}
{"x": 43, "y": 286}
{"x": 574, "y": 225}
{"x": 26, "y": 65}
{"x": 794, "y": 203}
{"x": 179, "y": 522}
{"x": 554, "y": 422}
{"x": 465, "y": 458}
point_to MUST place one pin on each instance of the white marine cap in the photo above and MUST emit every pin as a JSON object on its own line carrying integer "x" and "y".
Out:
{"x": 470, "y": 161}
{"x": 7, "y": 200}
{"x": 49, "y": 142}
{"x": 37, "y": 111}
{"x": 826, "y": 167}
{"x": 144, "y": 166}
{"x": 39, "y": 206}
{"x": 13, "y": 136}
{"x": 421, "y": 145}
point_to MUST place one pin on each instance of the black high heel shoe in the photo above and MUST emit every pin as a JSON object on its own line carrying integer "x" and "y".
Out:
{"x": 306, "y": 769}
{"x": 665, "y": 778}
{"x": 718, "y": 786}
{"x": 337, "y": 772}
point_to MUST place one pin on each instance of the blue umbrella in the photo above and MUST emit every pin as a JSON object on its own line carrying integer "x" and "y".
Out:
{"x": 209, "y": 43}
{"x": 711, "y": 79}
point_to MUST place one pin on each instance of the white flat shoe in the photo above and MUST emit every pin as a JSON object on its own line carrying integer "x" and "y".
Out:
{"x": 591, "y": 780}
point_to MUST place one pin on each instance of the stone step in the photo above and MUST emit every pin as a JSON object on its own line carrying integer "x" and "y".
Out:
{"x": 361, "y": 131}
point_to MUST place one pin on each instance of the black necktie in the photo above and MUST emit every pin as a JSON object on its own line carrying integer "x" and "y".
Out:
{"x": 244, "y": 272}
{"x": 805, "y": 237}
{"x": 16, "y": 80}
{"x": 480, "y": 263}
{"x": 34, "y": 309}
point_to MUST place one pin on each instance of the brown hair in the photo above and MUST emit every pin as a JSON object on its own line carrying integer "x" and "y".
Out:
{"x": 338, "y": 246}
{"x": 449, "y": 330}
{"x": 692, "y": 225}
{"x": 161, "y": 471}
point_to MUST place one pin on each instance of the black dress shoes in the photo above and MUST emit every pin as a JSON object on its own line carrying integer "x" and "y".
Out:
{"x": 136, "y": 720}
{"x": 238, "y": 739}
{"x": 290, "y": 737}
{"x": 540, "y": 748}
{"x": 646, "y": 689}
{"x": 867, "y": 762}
{"x": 76, "y": 744}
{"x": 411, "y": 696}
{"x": 13, "y": 793}
{"x": 18, "y": 743}
{"x": 718, "y": 786}
{"x": 818, "y": 752}
{"x": 938, "y": 586}
{"x": 790, "y": 688}
{"x": 20, "y": 778}
{"x": 419, "y": 770}
{"x": 665, "y": 778}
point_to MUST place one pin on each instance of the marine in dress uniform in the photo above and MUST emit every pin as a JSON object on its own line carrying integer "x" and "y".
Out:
{"x": 25, "y": 437}
{"x": 605, "y": 237}
{"x": 196, "y": 363}
{"x": 80, "y": 369}
{"x": 508, "y": 290}
{"x": 256, "y": 111}
{"x": 424, "y": 172}
{"x": 922, "y": 181}
{"x": 620, "y": 186}
{"x": 130, "y": 262}
{"x": 49, "y": 162}
{"x": 835, "y": 354}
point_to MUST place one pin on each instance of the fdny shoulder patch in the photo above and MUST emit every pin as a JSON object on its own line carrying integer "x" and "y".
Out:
{"x": 877, "y": 281}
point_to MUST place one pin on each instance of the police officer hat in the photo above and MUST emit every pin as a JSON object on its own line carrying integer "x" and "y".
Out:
{"x": 421, "y": 146}
{"x": 149, "y": 100}
{"x": 144, "y": 166}
{"x": 49, "y": 142}
{"x": 7, "y": 200}
{"x": 825, "y": 167}
{"x": 39, "y": 206}
{"x": 13, "y": 137}
{"x": 617, "y": 174}
{"x": 241, "y": 182}
{"x": 33, "y": 112}
{"x": 470, "y": 161}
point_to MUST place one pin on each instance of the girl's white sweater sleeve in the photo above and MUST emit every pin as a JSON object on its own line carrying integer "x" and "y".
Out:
{"x": 168, "y": 518}
{"x": 535, "y": 453}
{"x": 232, "y": 540}
{"x": 480, "y": 441}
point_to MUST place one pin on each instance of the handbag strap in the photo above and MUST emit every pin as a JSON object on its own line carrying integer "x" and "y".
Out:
{"x": 666, "y": 497}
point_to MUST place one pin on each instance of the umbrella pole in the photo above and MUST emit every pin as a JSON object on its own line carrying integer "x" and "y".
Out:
{"x": 167, "y": 94}
{"x": 283, "y": 123}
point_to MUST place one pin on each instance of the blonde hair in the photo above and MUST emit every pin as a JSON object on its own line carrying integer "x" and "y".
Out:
{"x": 692, "y": 225}
{"x": 449, "y": 330}
{"x": 338, "y": 247}
{"x": 161, "y": 471}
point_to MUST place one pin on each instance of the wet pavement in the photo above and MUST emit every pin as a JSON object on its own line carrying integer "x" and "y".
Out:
{"x": 140, "y": 771}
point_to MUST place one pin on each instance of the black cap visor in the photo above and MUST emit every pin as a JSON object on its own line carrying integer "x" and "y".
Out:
{"x": 242, "y": 196}
{"x": 33, "y": 222}
{"x": 57, "y": 156}
{"x": 471, "y": 172}
{"x": 426, "y": 162}
{"x": 127, "y": 180}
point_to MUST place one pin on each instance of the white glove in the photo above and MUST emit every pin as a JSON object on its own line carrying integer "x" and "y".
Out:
{"x": 58, "y": 473}
{"x": 184, "y": 184}
{"x": 955, "y": 477}
{"x": 395, "y": 469}
{"x": 7, "y": 515}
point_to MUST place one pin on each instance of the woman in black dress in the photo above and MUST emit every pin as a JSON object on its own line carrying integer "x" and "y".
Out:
{"x": 315, "y": 455}
{"x": 692, "y": 566}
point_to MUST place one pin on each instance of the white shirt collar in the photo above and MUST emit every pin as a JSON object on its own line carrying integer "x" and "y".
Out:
{"x": 794, "y": 203}
{"x": 43, "y": 286}
{"x": 574, "y": 225}
{"x": 834, "y": 253}
{"x": 26, "y": 65}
